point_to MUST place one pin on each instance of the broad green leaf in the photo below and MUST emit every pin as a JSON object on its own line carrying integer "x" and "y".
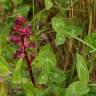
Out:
{"x": 43, "y": 78}
{"x": 77, "y": 89}
{"x": 3, "y": 90}
{"x": 45, "y": 57}
{"x": 64, "y": 29}
{"x": 29, "y": 89}
{"x": 4, "y": 68}
{"x": 5, "y": 30}
{"x": 57, "y": 75}
{"x": 48, "y": 4}
{"x": 82, "y": 69}
{"x": 92, "y": 91}
{"x": 91, "y": 39}
{"x": 41, "y": 92}
{"x": 6, "y": 5}
{"x": 59, "y": 91}
{"x": 23, "y": 10}
{"x": 17, "y": 74}
{"x": 46, "y": 61}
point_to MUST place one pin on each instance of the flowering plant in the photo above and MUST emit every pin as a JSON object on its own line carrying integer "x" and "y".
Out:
{"x": 20, "y": 36}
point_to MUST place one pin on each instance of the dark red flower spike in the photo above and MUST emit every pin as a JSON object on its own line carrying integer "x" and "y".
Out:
{"x": 20, "y": 20}
{"x": 21, "y": 38}
{"x": 14, "y": 38}
{"x": 19, "y": 53}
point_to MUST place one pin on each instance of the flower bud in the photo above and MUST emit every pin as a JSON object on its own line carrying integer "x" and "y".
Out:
{"x": 14, "y": 38}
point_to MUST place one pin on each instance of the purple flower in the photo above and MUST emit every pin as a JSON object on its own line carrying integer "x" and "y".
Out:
{"x": 20, "y": 20}
{"x": 26, "y": 43}
{"x": 26, "y": 31}
{"x": 16, "y": 29}
{"x": 21, "y": 36}
{"x": 19, "y": 53}
{"x": 14, "y": 38}
{"x": 33, "y": 45}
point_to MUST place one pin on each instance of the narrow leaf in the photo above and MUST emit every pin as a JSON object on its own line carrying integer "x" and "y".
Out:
{"x": 82, "y": 69}
{"x": 17, "y": 74}
{"x": 4, "y": 68}
{"x": 3, "y": 90}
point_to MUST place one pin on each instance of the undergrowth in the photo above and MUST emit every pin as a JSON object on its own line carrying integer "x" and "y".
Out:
{"x": 47, "y": 47}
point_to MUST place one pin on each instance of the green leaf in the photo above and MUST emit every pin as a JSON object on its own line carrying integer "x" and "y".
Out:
{"x": 92, "y": 91}
{"x": 29, "y": 89}
{"x": 5, "y": 30}
{"x": 17, "y": 74}
{"x": 64, "y": 29}
{"x": 23, "y": 10}
{"x": 0, "y": 49}
{"x": 60, "y": 38}
{"x": 77, "y": 89}
{"x": 18, "y": 1}
{"x": 45, "y": 58}
{"x": 82, "y": 69}
{"x": 48, "y": 4}
{"x": 3, "y": 90}
{"x": 43, "y": 78}
{"x": 91, "y": 39}
{"x": 4, "y": 68}
{"x": 59, "y": 91}
{"x": 45, "y": 61}
{"x": 3, "y": 1}
{"x": 57, "y": 75}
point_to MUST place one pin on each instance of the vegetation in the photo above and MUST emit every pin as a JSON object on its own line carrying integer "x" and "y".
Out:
{"x": 47, "y": 48}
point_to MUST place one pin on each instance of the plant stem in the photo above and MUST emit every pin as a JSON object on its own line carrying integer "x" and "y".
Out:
{"x": 29, "y": 68}
{"x": 29, "y": 65}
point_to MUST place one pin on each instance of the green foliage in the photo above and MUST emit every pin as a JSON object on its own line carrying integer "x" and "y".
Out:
{"x": 91, "y": 39}
{"x": 3, "y": 90}
{"x": 77, "y": 89}
{"x": 23, "y": 10}
{"x": 4, "y": 68}
{"x": 17, "y": 74}
{"x": 82, "y": 69}
{"x": 29, "y": 89}
{"x": 47, "y": 62}
{"x": 6, "y": 5}
{"x": 64, "y": 29}
{"x": 0, "y": 50}
{"x": 54, "y": 75}
{"x": 48, "y": 4}
{"x": 52, "y": 67}
{"x": 45, "y": 58}
{"x": 5, "y": 28}
{"x": 17, "y": 2}
{"x": 92, "y": 92}
{"x": 57, "y": 75}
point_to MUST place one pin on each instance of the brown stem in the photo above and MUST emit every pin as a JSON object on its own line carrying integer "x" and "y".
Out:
{"x": 29, "y": 64}
{"x": 29, "y": 68}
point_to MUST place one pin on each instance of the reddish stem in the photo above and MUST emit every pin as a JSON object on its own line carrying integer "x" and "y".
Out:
{"x": 29, "y": 65}
{"x": 29, "y": 68}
